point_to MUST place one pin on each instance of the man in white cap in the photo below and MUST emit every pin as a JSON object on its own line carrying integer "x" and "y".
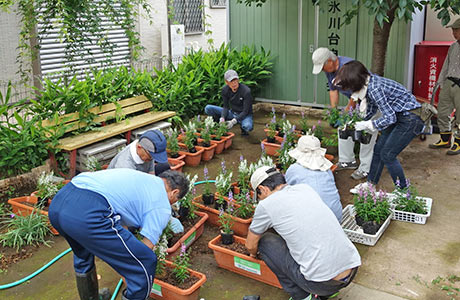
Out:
{"x": 311, "y": 255}
{"x": 325, "y": 60}
{"x": 237, "y": 106}
{"x": 313, "y": 168}
{"x": 449, "y": 97}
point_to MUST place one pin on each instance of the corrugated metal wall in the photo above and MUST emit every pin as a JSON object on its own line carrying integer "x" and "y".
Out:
{"x": 290, "y": 30}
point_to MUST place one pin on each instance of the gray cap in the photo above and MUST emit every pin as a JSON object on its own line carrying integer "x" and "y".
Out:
{"x": 454, "y": 25}
{"x": 230, "y": 75}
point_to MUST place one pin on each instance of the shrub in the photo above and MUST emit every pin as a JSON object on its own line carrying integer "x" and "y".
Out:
{"x": 25, "y": 230}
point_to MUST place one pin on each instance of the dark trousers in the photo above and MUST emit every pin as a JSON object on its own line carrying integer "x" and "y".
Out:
{"x": 275, "y": 253}
{"x": 390, "y": 143}
{"x": 86, "y": 220}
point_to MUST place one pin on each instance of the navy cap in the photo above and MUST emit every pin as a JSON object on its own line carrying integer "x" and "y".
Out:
{"x": 156, "y": 137}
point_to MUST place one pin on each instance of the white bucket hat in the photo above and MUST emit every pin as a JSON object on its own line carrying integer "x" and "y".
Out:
{"x": 309, "y": 154}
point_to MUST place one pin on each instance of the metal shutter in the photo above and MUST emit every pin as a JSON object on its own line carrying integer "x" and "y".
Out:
{"x": 52, "y": 51}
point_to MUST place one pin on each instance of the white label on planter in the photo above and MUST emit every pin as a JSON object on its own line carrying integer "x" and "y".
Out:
{"x": 246, "y": 265}
{"x": 190, "y": 240}
{"x": 156, "y": 289}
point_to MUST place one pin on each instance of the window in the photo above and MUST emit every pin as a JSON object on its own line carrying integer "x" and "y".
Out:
{"x": 218, "y": 3}
{"x": 189, "y": 13}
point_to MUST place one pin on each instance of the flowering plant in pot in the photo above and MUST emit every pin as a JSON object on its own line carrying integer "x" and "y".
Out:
{"x": 271, "y": 132}
{"x": 317, "y": 130}
{"x": 284, "y": 160}
{"x": 372, "y": 209}
{"x": 172, "y": 143}
{"x": 186, "y": 207}
{"x": 407, "y": 199}
{"x": 46, "y": 188}
{"x": 220, "y": 130}
{"x": 208, "y": 197}
{"x": 303, "y": 123}
{"x": 206, "y": 132}
{"x": 92, "y": 164}
{"x": 246, "y": 206}
{"x": 223, "y": 186}
{"x": 244, "y": 173}
{"x": 198, "y": 123}
{"x": 281, "y": 125}
{"x": 333, "y": 117}
{"x": 226, "y": 223}
{"x": 190, "y": 139}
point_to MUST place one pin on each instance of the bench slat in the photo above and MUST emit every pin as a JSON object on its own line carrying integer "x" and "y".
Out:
{"x": 100, "y": 110}
{"x": 87, "y": 138}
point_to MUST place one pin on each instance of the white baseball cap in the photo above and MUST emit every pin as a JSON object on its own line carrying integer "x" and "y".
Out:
{"x": 319, "y": 58}
{"x": 230, "y": 75}
{"x": 261, "y": 174}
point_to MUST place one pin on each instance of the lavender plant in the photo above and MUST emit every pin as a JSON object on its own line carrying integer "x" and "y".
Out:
{"x": 161, "y": 251}
{"x": 186, "y": 203}
{"x": 207, "y": 187}
{"x": 407, "y": 199}
{"x": 171, "y": 142}
{"x": 303, "y": 123}
{"x": 243, "y": 173}
{"x": 181, "y": 265}
{"x": 225, "y": 218}
{"x": 371, "y": 205}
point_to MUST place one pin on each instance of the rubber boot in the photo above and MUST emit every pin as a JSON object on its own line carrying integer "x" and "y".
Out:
{"x": 87, "y": 287}
{"x": 444, "y": 142}
{"x": 123, "y": 297}
{"x": 455, "y": 147}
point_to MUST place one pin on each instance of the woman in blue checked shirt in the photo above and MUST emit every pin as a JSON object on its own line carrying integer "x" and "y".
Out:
{"x": 398, "y": 125}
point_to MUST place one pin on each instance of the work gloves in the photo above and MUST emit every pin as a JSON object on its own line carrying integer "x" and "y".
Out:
{"x": 365, "y": 125}
{"x": 221, "y": 120}
{"x": 231, "y": 123}
{"x": 176, "y": 225}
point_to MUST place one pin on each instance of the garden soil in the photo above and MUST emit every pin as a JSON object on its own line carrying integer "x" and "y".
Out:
{"x": 401, "y": 265}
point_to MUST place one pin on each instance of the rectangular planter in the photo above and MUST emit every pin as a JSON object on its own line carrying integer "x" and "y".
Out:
{"x": 220, "y": 145}
{"x": 228, "y": 139}
{"x": 355, "y": 232}
{"x": 176, "y": 164}
{"x": 192, "y": 159}
{"x": 242, "y": 264}
{"x": 405, "y": 216}
{"x": 18, "y": 208}
{"x": 166, "y": 291}
{"x": 271, "y": 148}
{"x": 208, "y": 152}
{"x": 190, "y": 236}
{"x": 240, "y": 227}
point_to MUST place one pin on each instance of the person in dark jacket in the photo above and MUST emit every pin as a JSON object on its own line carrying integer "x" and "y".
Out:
{"x": 237, "y": 106}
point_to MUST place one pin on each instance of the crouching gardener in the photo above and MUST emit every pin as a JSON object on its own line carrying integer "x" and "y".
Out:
{"x": 91, "y": 213}
{"x": 311, "y": 254}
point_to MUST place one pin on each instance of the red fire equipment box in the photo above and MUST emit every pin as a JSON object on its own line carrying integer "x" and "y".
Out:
{"x": 429, "y": 58}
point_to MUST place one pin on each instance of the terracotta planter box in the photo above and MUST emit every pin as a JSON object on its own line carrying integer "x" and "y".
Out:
{"x": 166, "y": 291}
{"x": 271, "y": 148}
{"x": 240, "y": 227}
{"x": 208, "y": 152}
{"x": 228, "y": 139}
{"x": 176, "y": 164}
{"x": 236, "y": 189}
{"x": 190, "y": 236}
{"x": 242, "y": 264}
{"x": 18, "y": 208}
{"x": 180, "y": 157}
{"x": 192, "y": 159}
{"x": 267, "y": 130}
{"x": 220, "y": 145}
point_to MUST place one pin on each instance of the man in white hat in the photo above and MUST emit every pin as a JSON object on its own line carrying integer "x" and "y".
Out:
{"x": 237, "y": 106}
{"x": 313, "y": 168}
{"x": 325, "y": 60}
{"x": 311, "y": 255}
{"x": 449, "y": 97}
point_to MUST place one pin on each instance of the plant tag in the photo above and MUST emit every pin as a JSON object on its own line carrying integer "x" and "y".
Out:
{"x": 190, "y": 239}
{"x": 156, "y": 289}
{"x": 246, "y": 265}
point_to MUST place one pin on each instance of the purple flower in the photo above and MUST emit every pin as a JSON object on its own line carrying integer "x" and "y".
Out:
{"x": 182, "y": 130}
{"x": 408, "y": 194}
{"x": 313, "y": 128}
{"x": 302, "y": 114}
{"x": 361, "y": 192}
{"x": 284, "y": 116}
{"x": 407, "y": 182}
{"x": 198, "y": 118}
{"x": 293, "y": 128}
{"x": 241, "y": 158}
{"x": 205, "y": 171}
{"x": 319, "y": 122}
{"x": 222, "y": 165}
{"x": 12, "y": 216}
{"x": 350, "y": 112}
{"x": 282, "y": 143}
{"x": 230, "y": 196}
{"x": 262, "y": 146}
{"x": 357, "y": 107}
{"x": 248, "y": 196}
{"x": 194, "y": 191}
{"x": 273, "y": 109}
{"x": 183, "y": 248}
{"x": 398, "y": 183}
{"x": 273, "y": 119}
{"x": 221, "y": 211}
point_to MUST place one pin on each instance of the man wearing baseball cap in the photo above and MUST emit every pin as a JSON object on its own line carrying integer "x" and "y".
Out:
{"x": 449, "y": 96}
{"x": 310, "y": 255}
{"x": 237, "y": 106}
{"x": 142, "y": 154}
{"x": 325, "y": 60}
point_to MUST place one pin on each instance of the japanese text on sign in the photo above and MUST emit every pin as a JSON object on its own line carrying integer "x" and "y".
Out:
{"x": 432, "y": 75}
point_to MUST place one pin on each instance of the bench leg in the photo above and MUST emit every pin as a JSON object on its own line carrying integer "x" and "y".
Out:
{"x": 128, "y": 137}
{"x": 73, "y": 163}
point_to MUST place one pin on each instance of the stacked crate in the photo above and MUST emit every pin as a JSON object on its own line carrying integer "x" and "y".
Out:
{"x": 162, "y": 125}
{"x": 103, "y": 151}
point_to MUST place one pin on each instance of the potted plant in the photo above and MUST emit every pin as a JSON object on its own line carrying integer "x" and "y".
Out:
{"x": 408, "y": 206}
{"x": 172, "y": 143}
{"x": 182, "y": 282}
{"x": 193, "y": 153}
{"x": 208, "y": 197}
{"x": 223, "y": 185}
{"x": 303, "y": 123}
{"x": 226, "y": 223}
{"x": 284, "y": 160}
{"x": 245, "y": 206}
{"x": 332, "y": 115}
{"x": 205, "y": 142}
{"x": 372, "y": 209}
{"x": 219, "y": 130}
{"x": 46, "y": 189}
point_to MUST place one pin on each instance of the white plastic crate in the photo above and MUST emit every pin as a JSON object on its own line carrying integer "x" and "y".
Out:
{"x": 355, "y": 233}
{"x": 162, "y": 125}
{"x": 103, "y": 151}
{"x": 405, "y": 216}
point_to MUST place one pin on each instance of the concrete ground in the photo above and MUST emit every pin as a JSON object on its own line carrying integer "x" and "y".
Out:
{"x": 402, "y": 265}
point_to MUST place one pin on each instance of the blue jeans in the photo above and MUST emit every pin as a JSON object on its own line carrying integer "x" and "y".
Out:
{"x": 275, "y": 253}
{"x": 86, "y": 220}
{"x": 391, "y": 142}
{"x": 216, "y": 111}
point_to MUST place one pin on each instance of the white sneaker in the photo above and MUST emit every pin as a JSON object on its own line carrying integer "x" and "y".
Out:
{"x": 359, "y": 174}
{"x": 364, "y": 185}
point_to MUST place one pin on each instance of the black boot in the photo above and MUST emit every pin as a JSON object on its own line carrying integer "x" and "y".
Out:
{"x": 444, "y": 142}
{"x": 123, "y": 297}
{"x": 455, "y": 147}
{"x": 87, "y": 287}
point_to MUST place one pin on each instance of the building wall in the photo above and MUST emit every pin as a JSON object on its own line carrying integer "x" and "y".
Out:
{"x": 434, "y": 31}
{"x": 9, "y": 39}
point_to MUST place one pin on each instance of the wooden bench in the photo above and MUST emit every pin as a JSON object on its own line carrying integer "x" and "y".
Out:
{"x": 107, "y": 112}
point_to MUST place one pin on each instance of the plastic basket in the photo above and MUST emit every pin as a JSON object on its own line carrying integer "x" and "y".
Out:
{"x": 355, "y": 233}
{"x": 410, "y": 217}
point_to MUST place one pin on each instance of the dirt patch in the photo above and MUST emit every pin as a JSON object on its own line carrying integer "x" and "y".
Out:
{"x": 170, "y": 278}
{"x": 237, "y": 247}
{"x": 188, "y": 224}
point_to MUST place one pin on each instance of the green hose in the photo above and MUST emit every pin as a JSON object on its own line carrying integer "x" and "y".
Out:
{"x": 115, "y": 292}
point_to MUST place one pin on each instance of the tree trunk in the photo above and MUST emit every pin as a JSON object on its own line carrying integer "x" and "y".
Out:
{"x": 380, "y": 43}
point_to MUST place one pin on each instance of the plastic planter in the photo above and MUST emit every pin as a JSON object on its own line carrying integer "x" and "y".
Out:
{"x": 166, "y": 291}
{"x": 242, "y": 264}
{"x": 228, "y": 139}
{"x": 208, "y": 152}
{"x": 345, "y": 133}
{"x": 180, "y": 157}
{"x": 271, "y": 148}
{"x": 176, "y": 164}
{"x": 240, "y": 226}
{"x": 220, "y": 145}
{"x": 190, "y": 236}
{"x": 237, "y": 190}
{"x": 18, "y": 208}
{"x": 192, "y": 159}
